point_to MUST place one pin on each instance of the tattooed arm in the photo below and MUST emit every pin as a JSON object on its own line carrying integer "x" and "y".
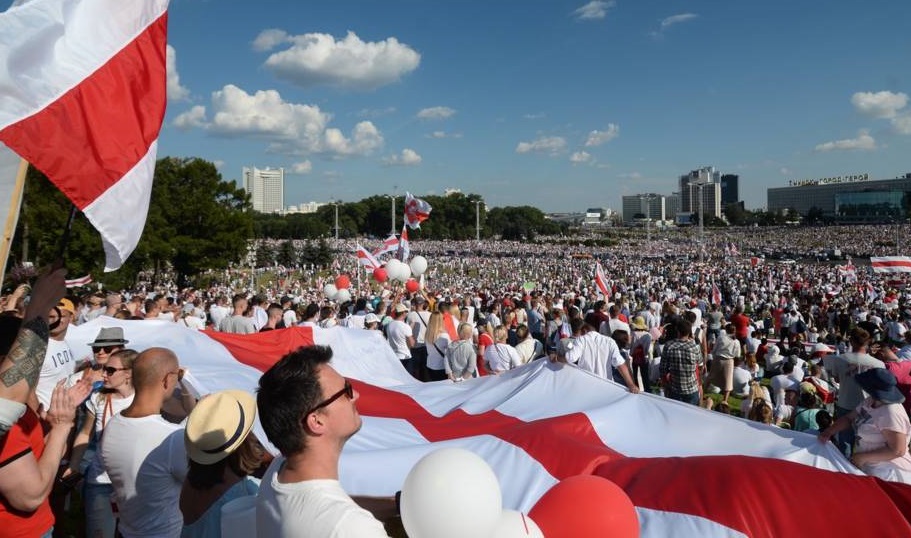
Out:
{"x": 20, "y": 368}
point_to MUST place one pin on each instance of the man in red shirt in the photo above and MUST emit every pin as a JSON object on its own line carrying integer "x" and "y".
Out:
{"x": 741, "y": 324}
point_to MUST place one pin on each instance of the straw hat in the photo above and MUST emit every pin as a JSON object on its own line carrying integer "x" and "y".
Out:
{"x": 218, "y": 425}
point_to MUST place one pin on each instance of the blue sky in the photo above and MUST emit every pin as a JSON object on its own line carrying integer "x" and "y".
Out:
{"x": 560, "y": 105}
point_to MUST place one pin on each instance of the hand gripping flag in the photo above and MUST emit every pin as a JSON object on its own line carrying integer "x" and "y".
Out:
{"x": 84, "y": 97}
{"x": 668, "y": 457}
{"x": 601, "y": 281}
{"x": 366, "y": 259}
{"x": 416, "y": 211}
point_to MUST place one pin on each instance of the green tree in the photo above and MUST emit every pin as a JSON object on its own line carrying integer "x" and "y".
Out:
{"x": 286, "y": 254}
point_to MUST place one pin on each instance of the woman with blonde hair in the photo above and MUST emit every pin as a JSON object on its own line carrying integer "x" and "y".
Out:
{"x": 437, "y": 340}
{"x": 501, "y": 356}
{"x": 758, "y": 393}
{"x": 116, "y": 395}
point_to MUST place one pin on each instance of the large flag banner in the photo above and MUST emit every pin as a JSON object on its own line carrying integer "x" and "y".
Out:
{"x": 366, "y": 259}
{"x": 416, "y": 211}
{"x": 891, "y": 264}
{"x": 670, "y": 458}
{"x": 601, "y": 281}
{"x": 391, "y": 244}
{"x": 716, "y": 294}
{"x": 84, "y": 97}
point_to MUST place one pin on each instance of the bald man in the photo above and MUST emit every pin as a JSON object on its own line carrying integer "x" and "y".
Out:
{"x": 144, "y": 454}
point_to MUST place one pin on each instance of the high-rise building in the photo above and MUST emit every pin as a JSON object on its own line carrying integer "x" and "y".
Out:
{"x": 640, "y": 206}
{"x": 730, "y": 189}
{"x": 706, "y": 180}
{"x": 266, "y": 187}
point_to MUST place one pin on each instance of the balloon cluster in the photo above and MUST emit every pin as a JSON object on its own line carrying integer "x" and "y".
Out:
{"x": 400, "y": 271}
{"x": 338, "y": 291}
{"x": 449, "y": 484}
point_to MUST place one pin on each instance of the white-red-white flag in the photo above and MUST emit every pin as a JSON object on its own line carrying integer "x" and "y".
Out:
{"x": 404, "y": 250}
{"x": 391, "y": 244}
{"x": 667, "y": 469}
{"x": 891, "y": 264}
{"x": 77, "y": 282}
{"x": 416, "y": 211}
{"x": 716, "y": 294}
{"x": 83, "y": 101}
{"x": 366, "y": 259}
{"x": 601, "y": 281}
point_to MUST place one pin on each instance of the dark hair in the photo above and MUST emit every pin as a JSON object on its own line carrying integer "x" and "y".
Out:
{"x": 243, "y": 462}
{"x": 823, "y": 419}
{"x": 522, "y": 332}
{"x": 286, "y": 391}
{"x": 684, "y": 327}
{"x": 311, "y": 310}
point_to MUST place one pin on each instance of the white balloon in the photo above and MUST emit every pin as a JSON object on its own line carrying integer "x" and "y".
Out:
{"x": 514, "y": 524}
{"x": 330, "y": 291}
{"x": 418, "y": 265}
{"x": 343, "y": 296}
{"x": 451, "y": 493}
{"x": 398, "y": 270}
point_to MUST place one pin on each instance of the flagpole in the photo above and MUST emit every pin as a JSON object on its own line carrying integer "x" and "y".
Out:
{"x": 12, "y": 217}
{"x": 65, "y": 238}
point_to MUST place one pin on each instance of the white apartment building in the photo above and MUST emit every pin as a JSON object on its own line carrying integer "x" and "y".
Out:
{"x": 266, "y": 187}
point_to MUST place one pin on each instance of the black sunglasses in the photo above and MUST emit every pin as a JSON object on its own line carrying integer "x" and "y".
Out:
{"x": 106, "y": 349}
{"x": 110, "y": 370}
{"x": 347, "y": 391}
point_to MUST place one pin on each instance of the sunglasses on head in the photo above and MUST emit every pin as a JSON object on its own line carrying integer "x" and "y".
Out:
{"x": 347, "y": 391}
{"x": 106, "y": 349}
{"x": 110, "y": 370}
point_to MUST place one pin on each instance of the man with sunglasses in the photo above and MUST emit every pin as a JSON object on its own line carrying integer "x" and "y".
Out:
{"x": 144, "y": 454}
{"x": 308, "y": 412}
{"x": 59, "y": 359}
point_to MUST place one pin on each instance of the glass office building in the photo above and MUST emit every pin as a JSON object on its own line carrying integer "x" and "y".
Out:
{"x": 857, "y": 201}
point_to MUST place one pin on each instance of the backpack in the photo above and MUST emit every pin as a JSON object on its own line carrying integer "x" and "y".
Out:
{"x": 800, "y": 327}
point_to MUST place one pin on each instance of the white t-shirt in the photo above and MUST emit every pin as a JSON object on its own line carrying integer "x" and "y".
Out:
{"x": 96, "y": 405}
{"x": 59, "y": 363}
{"x": 312, "y": 508}
{"x": 418, "y": 322}
{"x": 501, "y": 357}
{"x": 742, "y": 378}
{"x": 436, "y": 359}
{"x": 147, "y": 462}
{"x": 397, "y": 334}
{"x": 596, "y": 353}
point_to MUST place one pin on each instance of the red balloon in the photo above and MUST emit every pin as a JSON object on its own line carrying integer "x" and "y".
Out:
{"x": 586, "y": 506}
{"x": 380, "y": 275}
{"x": 342, "y": 282}
{"x": 412, "y": 285}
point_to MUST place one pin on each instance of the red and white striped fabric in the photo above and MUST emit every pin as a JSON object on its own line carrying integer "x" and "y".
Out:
{"x": 601, "y": 281}
{"x": 85, "y": 97}
{"x": 716, "y": 294}
{"x": 891, "y": 264}
{"x": 690, "y": 472}
{"x": 366, "y": 259}
{"x": 416, "y": 211}
{"x": 404, "y": 250}
{"x": 77, "y": 282}
{"x": 391, "y": 244}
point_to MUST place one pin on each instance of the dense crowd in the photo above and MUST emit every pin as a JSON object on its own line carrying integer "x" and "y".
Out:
{"x": 786, "y": 326}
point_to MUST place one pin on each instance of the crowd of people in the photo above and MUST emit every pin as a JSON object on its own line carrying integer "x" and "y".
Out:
{"x": 816, "y": 346}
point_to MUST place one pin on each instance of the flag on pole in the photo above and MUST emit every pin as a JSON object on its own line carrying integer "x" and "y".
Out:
{"x": 416, "y": 211}
{"x": 86, "y": 94}
{"x": 391, "y": 244}
{"x": 366, "y": 259}
{"x": 716, "y": 293}
{"x": 667, "y": 469}
{"x": 891, "y": 264}
{"x": 77, "y": 282}
{"x": 601, "y": 281}
{"x": 404, "y": 249}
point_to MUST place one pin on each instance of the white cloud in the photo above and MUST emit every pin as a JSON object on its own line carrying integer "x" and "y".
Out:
{"x": 176, "y": 92}
{"x": 408, "y": 157}
{"x": 443, "y": 134}
{"x": 596, "y": 138}
{"x": 902, "y": 124}
{"x": 375, "y": 112}
{"x": 883, "y": 104}
{"x": 290, "y": 129}
{"x": 785, "y": 171}
{"x": 551, "y": 145}
{"x": 580, "y": 157}
{"x": 594, "y": 10}
{"x": 269, "y": 39}
{"x": 195, "y": 117}
{"x": 863, "y": 141}
{"x": 318, "y": 59}
{"x": 667, "y": 22}
{"x": 302, "y": 168}
{"x": 219, "y": 164}
{"x": 436, "y": 113}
